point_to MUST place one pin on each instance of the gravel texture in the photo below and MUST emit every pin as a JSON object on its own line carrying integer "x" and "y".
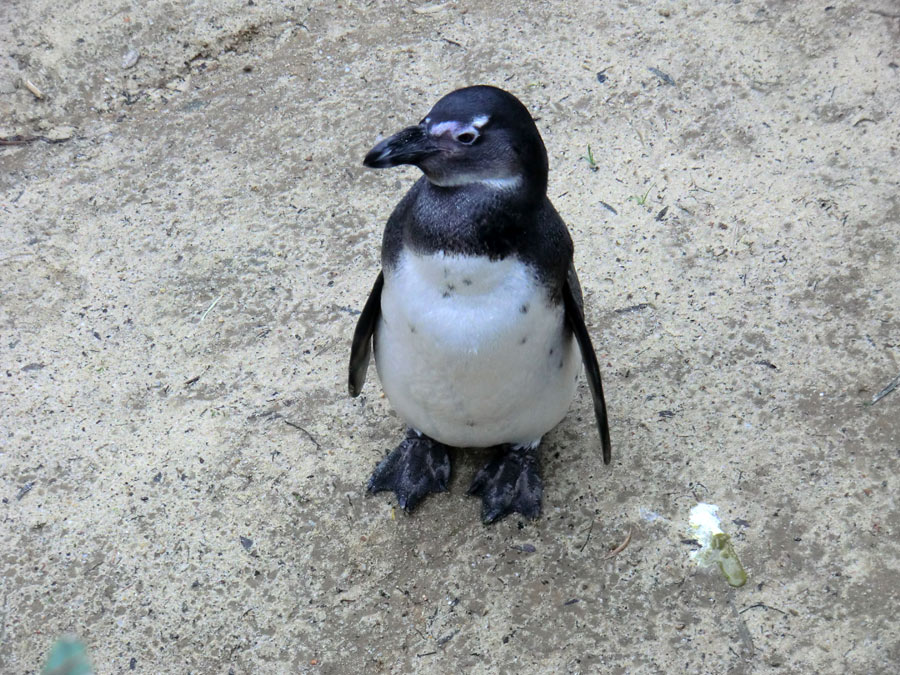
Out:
{"x": 187, "y": 235}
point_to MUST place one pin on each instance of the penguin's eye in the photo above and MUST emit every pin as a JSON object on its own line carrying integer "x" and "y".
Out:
{"x": 466, "y": 137}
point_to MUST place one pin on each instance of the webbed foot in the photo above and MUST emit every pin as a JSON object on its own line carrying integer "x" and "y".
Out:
{"x": 509, "y": 483}
{"x": 414, "y": 469}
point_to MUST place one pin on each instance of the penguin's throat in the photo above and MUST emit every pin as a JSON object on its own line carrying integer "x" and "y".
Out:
{"x": 501, "y": 183}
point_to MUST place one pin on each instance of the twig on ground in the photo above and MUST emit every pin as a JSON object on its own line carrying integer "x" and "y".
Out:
{"x": 621, "y": 547}
{"x": 30, "y": 86}
{"x": 309, "y": 435}
{"x": 209, "y": 309}
{"x": 590, "y": 529}
{"x": 893, "y": 384}
{"x": 764, "y": 606}
{"x": 25, "y": 140}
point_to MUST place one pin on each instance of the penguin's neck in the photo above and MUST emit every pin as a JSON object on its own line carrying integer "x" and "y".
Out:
{"x": 476, "y": 219}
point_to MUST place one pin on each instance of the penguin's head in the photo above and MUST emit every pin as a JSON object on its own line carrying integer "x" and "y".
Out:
{"x": 474, "y": 136}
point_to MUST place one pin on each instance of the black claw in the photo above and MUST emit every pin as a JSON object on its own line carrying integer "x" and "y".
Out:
{"x": 412, "y": 470}
{"x": 509, "y": 483}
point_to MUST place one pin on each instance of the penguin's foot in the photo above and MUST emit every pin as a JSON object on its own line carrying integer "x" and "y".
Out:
{"x": 414, "y": 469}
{"x": 509, "y": 483}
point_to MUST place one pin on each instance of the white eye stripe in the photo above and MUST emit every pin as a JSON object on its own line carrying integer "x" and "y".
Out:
{"x": 443, "y": 127}
{"x": 456, "y": 128}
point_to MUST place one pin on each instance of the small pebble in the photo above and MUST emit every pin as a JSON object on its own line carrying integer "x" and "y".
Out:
{"x": 430, "y": 9}
{"x": 665, "y": 77}
{"x": 60, "y": 133}
{"x": 130, "y": 59}
{"x": 32, "y": 87}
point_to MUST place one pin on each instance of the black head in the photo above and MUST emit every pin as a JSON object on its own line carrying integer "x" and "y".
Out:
{"x": 477, "y": 135}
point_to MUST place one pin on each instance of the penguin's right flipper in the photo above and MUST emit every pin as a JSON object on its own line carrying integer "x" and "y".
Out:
{"x": 573, "y": 302}
{"x": 414, "y": 469}
{"x": 362, "y": 337}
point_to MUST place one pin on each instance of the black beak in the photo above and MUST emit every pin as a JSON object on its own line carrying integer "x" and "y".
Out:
{"x": 409, "y": 146}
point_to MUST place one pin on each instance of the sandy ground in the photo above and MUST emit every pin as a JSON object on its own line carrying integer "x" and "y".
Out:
{"x": 182, "y": 472}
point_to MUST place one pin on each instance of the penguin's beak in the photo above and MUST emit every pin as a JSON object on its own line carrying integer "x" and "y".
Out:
{"x": 409, "y": 146}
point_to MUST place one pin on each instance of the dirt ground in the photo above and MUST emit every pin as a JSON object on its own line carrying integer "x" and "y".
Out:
{"x": 188, "y": 238}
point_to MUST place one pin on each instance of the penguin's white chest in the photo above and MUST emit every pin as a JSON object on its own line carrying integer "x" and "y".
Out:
{"x": 472, "y": 352}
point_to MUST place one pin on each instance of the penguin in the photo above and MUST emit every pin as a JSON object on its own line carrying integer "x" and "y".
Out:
{"x": 476, "y": 318}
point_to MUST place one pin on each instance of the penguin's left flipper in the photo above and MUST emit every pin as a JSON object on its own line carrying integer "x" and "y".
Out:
{"x": 575, "y": 317}
{"x": 510, "y": 483}
{"x": 362, "y": 337}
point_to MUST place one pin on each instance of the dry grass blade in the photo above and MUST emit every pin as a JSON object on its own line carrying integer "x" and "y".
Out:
{"x": 621, "y": 547}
